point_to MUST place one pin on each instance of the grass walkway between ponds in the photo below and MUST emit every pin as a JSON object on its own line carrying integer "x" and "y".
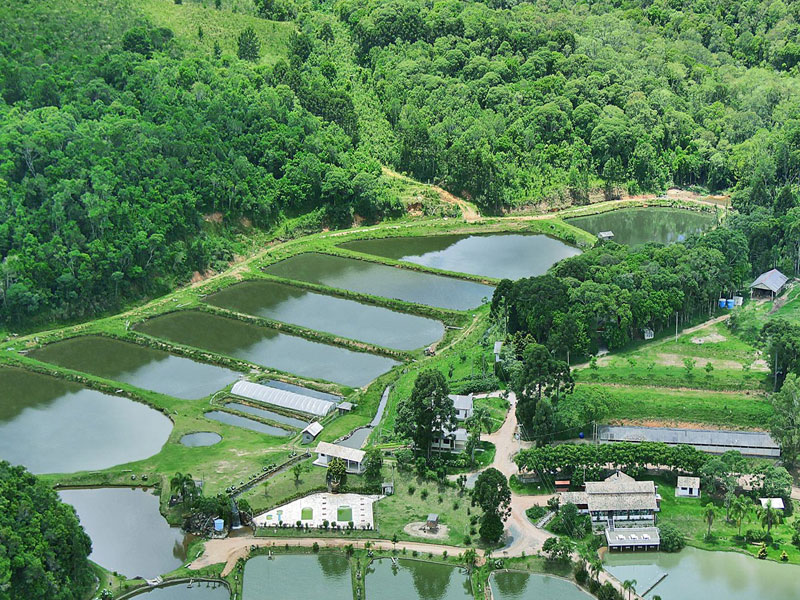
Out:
{"x": 664, "y": 407}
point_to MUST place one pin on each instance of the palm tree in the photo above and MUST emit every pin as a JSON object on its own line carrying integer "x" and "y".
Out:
{"x": 740, "y": 511}
{"x": 629, "y": 585}
{"x": 768, "y": 516}
{"x": 595, "y": 566}
{"x": 183, "y": 485}
{"x": 709, "y": 515}
{"x": 482, "y": 419}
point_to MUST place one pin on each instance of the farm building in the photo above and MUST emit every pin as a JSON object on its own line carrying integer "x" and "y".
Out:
{"x": 450, "y": 441}
{"x": 353, "y": 458}
{"x": 688, "y": 487}
{"x": 284, "y": 398}
{"x": 463, "y": 406}
{"x": 714, "y": 441}
{"x": 311, "y": 432}
{"x": 768, "y": 284}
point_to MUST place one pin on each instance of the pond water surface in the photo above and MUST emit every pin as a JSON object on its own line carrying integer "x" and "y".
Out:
{"x": 245, "y": 423}
{"x": 504, "y": 256}
{"x": 128, "y": 533}
{"x": 381, "y": 280}
{"x": 416, "y": 580}
{"x": 53, "y": 426}
{"x": 200, "y": 439}
{"x": 298, "y": 577}
{"x": 181, "y": 591}
{"x": 268, "y": 347}
{"x": 267, "y": 414}
{"x": 693, "y": 573}
{"x": 636, "y": 226}
{"x": 338, "y": 316}
{"x": 528, "y": 586}
{"x": 137, "y": 365}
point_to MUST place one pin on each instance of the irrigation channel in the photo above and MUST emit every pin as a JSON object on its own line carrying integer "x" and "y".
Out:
{"x": 102, "y": 429}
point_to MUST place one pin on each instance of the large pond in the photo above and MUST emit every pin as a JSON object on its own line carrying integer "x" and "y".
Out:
{"x": 636, "y": 226}
{"x": 504, "y": 256}
{"x": 182, "y": 591}
{"x": 298, "y": 577}
{"x": 137, "y": 365}
{"x": 381, "y": 280}
{"x": 693, "y": 573}
{"x": 268, "y": 347}
{"x": 339, "y": 316}
{"x": 416, "y": 580}
{"x": 526, "y": 586}
{"x": 128, "y": 533}
{"x": 53, "y": 426}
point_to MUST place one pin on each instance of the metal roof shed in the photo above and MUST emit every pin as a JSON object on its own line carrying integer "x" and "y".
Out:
{"x": 771, "y": 281}
{"x": 282, "y": 398}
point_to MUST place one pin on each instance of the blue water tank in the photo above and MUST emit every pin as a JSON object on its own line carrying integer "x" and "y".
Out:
{"x": 730, "y": 303}
{"x": 580, "y": 435}
{"x": 722, "y": 302}
{"x": 219, "y": 524}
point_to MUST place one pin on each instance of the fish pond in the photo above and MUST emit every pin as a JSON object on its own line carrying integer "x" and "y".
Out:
{"x": 128, "y": 533}
{"x": 200, "y": 439}
{"x": 503, "y": 256}
{"x": 346, "y": 318}
{"x": 693, "y": 573}
{"x": 137, "y": 365}
{"x": 298, "y": 577}
{"x": 416, "y": 580}
{"x": 511, "y": 585}
{"x": 238, "y": 421}
{"x": 636, "y": 226}
{"x": 181, "y": 591}
{"x": 382, "y": 280}
{"x": 54, "y": 426}
{"x": 268, "y": 347}
{"x": 270, "y": 415}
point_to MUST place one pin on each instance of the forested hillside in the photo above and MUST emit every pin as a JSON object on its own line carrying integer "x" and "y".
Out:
{"x": 127, "y": 128}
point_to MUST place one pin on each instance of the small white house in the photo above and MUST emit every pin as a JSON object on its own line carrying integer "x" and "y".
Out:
{"x": 498, "y": 348}
{"x": 353, "y": 458}
{"x": 450, "y": 441}
{"x": 688, "y": 487}
{"x": 464, "y": 406}
{"x": 311, "y": 432}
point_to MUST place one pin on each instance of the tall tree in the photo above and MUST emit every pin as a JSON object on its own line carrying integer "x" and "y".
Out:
{"x": 492, "y": 494}
{"x": 248, "y": 44}
{"x": 427, "y": 412}
{"x": 785, "y": 423}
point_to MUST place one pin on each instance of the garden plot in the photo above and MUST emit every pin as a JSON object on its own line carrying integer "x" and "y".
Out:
{"x": 314, "y": 510}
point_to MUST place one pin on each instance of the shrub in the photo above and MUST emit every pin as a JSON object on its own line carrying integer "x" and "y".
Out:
{"x": 411, "y": 490}
{"x": 536, "y": 512}
{"x": 423, "y": 494}
{"x": 467, "y": 540}
{"x": 672, "y": 540}
{"x": 762, "y": 551}
{"x": 581, "y": 575}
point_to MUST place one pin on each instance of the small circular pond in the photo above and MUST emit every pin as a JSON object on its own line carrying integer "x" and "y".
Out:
{"x": 201, "y": 438}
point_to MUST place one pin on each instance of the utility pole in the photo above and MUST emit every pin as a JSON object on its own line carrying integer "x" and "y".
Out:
{"x": 775, "y": 382}
{"x": 676, "y": 326}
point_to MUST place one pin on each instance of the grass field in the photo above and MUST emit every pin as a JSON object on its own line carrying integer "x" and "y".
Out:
{"x": 221, "y": 26}
{"x": 656, "y": 405}
{"x": 497, "y": 407}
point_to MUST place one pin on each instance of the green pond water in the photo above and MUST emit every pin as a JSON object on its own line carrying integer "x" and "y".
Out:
{"x": 200, "y": 439}
{"x": 181, "y": 591}
{"x": 245, "y": 423}
{"x": 128, "y": 533}
{"x": 267, "y": 414}
{"x": 415, "y": 580}
{"x": 338, "y": 316}
{"x": 298, "y": 577}
{"x": 268, "y": 347}
{"x": 137, "y": 365}
{"x": 636, "y": 226}
{"x": 504, "y": 256}
{"x": 693, "y": 573}
{"x": 382, "y": 280}
{"x": 53, "y": 426}
{"x": 527, "y": 586}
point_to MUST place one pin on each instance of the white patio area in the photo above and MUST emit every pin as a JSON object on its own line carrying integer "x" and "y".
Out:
{"x": 312, "y": 510}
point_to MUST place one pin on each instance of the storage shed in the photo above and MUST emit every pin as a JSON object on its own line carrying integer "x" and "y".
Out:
{"x": 432, "y": 523}
{"x": 311, "y": 432}
{"x": 769, "y": 284}
{"x": 688, "y": 487}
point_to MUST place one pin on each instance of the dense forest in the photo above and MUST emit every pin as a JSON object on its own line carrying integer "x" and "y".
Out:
{"x": 132, "y": 153}
{"x": 43, "y": 549}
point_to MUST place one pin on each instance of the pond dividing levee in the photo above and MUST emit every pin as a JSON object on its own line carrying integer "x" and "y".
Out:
{"x": 53, "y": 426}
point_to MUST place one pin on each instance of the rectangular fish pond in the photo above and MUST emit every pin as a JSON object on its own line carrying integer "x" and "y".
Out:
{"x": 269, "y": 415}
{"x": 382, "y": 280}
{"x": 268, "y": 347}
{"x": 137, "y": 365}
{"x": 338, "y": 316}
{"x": 502, "y": 255}
{"x": 416, "y": 580}
{"x": 55, "y": 426}
{"x": 325, "y": 576}
{"x": 514, "y": 585}
{"x": 238, "y": 421}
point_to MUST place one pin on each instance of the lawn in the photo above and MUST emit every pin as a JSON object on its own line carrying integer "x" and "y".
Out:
{"x": 497, "y": 407}
{"x": 665, "y": 406}
{"x": 344, "y": 513}
{"x": 687, "y": 514}
{"x": 222, "y": 26}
